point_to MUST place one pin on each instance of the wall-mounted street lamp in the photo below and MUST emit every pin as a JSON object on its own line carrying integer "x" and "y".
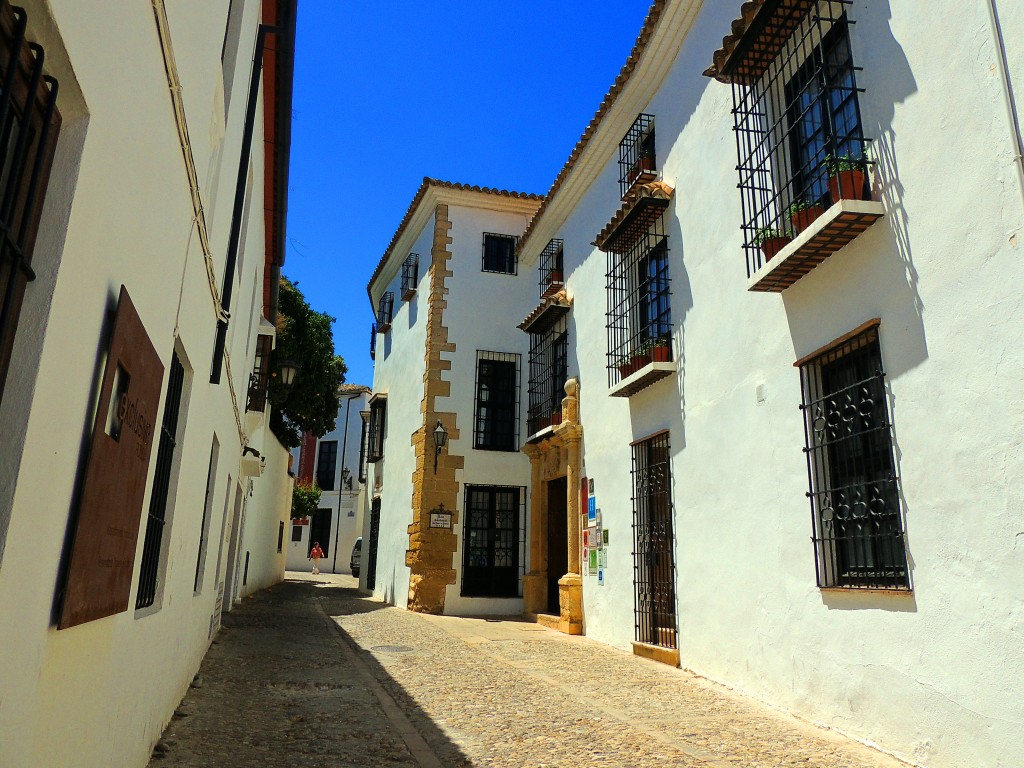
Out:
{"x": 440, "y": 438}
{"x": 288, "y": 371}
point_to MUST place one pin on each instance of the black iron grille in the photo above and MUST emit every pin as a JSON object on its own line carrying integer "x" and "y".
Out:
{"x": 549, "y": 369}
{"x": 363, "y": 444}
{"x": 410, "y": 275}
{"x": 551, "y": 266}
{"x": 496, "y": 426}
{"x": 654, "y": 562}
{"x": 373, "y": 341}
{"x": 494, "y": 541}
{"x": 149, "y": 570}
{"x": 855, "y": 509}
{"x": 385, "y": 312}
{"x": 796, "y": 127}
{"x": 375, "y": 437}
{"x": 637, "y": 161}
{"x": 371, "y": 548}
{"x": 639, "y": 318}
{"x": 499, "y": 253}
{"x": 327, "y": 464}
{"x": 29, "y": 124}
{"x": 259, "y": 380}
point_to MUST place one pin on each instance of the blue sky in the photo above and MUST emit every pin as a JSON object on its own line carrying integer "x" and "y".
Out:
{"x": 387, "y": 92}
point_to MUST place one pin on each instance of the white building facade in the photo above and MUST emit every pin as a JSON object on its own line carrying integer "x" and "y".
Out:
{"x": 793, "y": 414}
{"x": 141, "y": 492}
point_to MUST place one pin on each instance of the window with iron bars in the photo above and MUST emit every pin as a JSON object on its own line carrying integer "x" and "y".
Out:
{"x": 375, "y": 435}
{"x": 499, "y": 253}
{"x": 654, "y": 563}
{"x": 327, "y": 464}
{"x": 31, "y": 123}
{"x": 799, "y": 134}
{"x": 363, "y": 445}
{"x": 549, "y": 370}
{"x": 385, "y": 312}
{"x": 496, "y": 426}
{"x": 639, "y": 303}
{"x": 494, "y": 541}
{"x": 410, "y": 276}
{"x": 259, "y": 380}
{"x": 638, "y": 163}
{"x": 855, "y": 508}
{"x": 552, "y": 278}
{"x": 373, "y": 341}
{"x": 165, "y": 460}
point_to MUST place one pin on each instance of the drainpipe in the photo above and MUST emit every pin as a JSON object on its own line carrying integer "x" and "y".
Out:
{"x": 1011, "y": 102}
{"x": 344, "y": 443}
{"x": 239, "y": 207}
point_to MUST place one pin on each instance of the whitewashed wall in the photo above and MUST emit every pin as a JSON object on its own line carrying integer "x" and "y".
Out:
{"x": 119, "y": 191}
{"x": 398, "y": 371}
{"x": 934, "y": 676}
{"x": 483, "y": 311}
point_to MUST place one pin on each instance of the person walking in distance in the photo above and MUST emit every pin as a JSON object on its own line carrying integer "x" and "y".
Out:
{"x": 315, "y": 554}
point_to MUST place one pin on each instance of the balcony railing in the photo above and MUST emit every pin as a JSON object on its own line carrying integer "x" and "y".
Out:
{"x": 385, "y": 312}
{"x": 410, "y": 276}
{"x": 259, "y": 380}
{"x": 549, "y": 366}
{"x": 373, "y": 341}
{"x": 637, "y": 161}
{"x": 552, "y": 278}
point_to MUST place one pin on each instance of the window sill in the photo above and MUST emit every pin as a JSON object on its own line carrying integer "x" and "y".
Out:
{"x": 838, "y": 226}
{"x": 642, "y": 379}
{"x": 383, "y": 327}
{"x": 893, "y": 591}
{"x": 408, "y": 294}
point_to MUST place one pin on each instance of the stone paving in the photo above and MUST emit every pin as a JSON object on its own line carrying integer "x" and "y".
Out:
{"x": 285, "y": 685}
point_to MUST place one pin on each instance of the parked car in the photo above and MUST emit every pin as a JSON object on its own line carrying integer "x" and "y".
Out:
{"x": 357, "y": 551}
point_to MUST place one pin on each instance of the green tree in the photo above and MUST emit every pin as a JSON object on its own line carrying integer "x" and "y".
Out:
{"x": 305, "y": 499}
{"x": 304, "y": 337}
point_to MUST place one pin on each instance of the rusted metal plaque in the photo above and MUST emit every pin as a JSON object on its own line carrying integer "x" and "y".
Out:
{"x": 102, "y": 560}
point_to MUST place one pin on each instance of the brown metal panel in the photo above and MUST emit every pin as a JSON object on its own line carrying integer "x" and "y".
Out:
{"x": 103, "y": 553}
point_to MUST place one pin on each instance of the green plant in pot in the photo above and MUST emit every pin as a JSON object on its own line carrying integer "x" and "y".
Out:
{"x": 771, "y": 240}
{"x": 661, "y": 352}
{"x": 642, "y": 354}
{"x": 847, "y": 176}
{"x": 625, "y": 365}
{"x": 803, "y": 212}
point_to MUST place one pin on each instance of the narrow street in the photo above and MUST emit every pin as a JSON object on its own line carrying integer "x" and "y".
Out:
{"x": 311, "y": 673}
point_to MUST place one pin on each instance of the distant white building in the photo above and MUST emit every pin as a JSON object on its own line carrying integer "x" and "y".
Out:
{"x": 144, "y": 180}
{"x": 780, "y": 282}
{"x": 333, "y": 463}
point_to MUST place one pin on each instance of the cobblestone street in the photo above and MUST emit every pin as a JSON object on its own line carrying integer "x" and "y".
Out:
{"x": 287, "y": 685}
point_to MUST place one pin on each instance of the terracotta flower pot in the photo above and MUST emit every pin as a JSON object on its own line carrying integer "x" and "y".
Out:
{"x": 556, "y": 418}
{"x": 626, "y": 369}
{"x": 803, "y": 219}
{"x": 554, "y": 276}
{"x": 660, "y": 354}
{"x": 640, "y": 360}
{"x": 773, "y": 245}
{"x": 847, "y": 185}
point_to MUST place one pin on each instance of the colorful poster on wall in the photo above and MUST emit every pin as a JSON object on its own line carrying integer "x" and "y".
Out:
{"x": 586, "y": 561}
{"x": 600, "y": 577}
{"x": 591, "y": 510}
{"x": 593, "y": 561}
{"x": 602, "y": 558}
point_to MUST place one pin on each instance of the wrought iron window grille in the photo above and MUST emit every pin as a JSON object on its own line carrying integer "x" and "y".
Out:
{"x": 494, "y": 541}
{"x": 259, "y": 379}
{"x": 326, "y": 464}
{"x": 639, "y": 317}
{"x": 410, "y": 276}
{"x": 156, "y": 517}
{"x": 499, "y": 253}
{"x": 385, "y": 312}
{"x": 496, "y": 407}
{"x": 799, "y": 136}
{"x": 552, "y": 278}
{"x": 638, "y": 163}
{"x": 363, "y": 445}
{"x": 373, "y": 341}
{"x": 856, "y": 516}
{"x": 549, "y": 370}
{"x": 30, "y": 124}
{"x": 375, "y": 437}
{"x": 654, "y": 565}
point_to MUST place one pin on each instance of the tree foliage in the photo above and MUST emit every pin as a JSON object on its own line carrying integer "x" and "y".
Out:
{"x": 304, "y": 337}
{"x": 305, "y": 499}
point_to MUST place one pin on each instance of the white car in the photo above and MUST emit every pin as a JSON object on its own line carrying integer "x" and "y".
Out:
{"x": 357, "y": 551}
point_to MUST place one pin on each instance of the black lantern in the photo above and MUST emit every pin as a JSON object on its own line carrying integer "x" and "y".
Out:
{"x": 288, "y": 370}
{"x": 440, "y": 438}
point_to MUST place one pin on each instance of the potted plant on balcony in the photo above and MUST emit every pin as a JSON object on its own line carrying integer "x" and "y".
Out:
{"x": 556, "y": 417}
{"x": 802, "y": 213}
{"x": 644, "y": 164}
{"x": 771, "y": 240}
{"x": 625, "y": 366}
{"x": 661, "y": 352}
{"x": 847, "y": 175}
{"x": 553, "y": 277}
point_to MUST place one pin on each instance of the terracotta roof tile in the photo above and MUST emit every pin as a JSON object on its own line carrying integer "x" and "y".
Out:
{"x": 770, "y": 23}
{"x": 657, "y": 190}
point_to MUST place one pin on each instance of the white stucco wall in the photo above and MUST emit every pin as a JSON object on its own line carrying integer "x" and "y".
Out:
{"x": 120, "y": 185}
{"x": 931, "y": 676}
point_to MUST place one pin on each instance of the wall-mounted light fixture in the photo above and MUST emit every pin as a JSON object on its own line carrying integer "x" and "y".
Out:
{"x": 440, "y": 438}
{"x": 288, "y": 370}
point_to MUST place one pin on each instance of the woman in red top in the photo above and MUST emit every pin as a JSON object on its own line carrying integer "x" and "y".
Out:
{"x": 315, "y": 554}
